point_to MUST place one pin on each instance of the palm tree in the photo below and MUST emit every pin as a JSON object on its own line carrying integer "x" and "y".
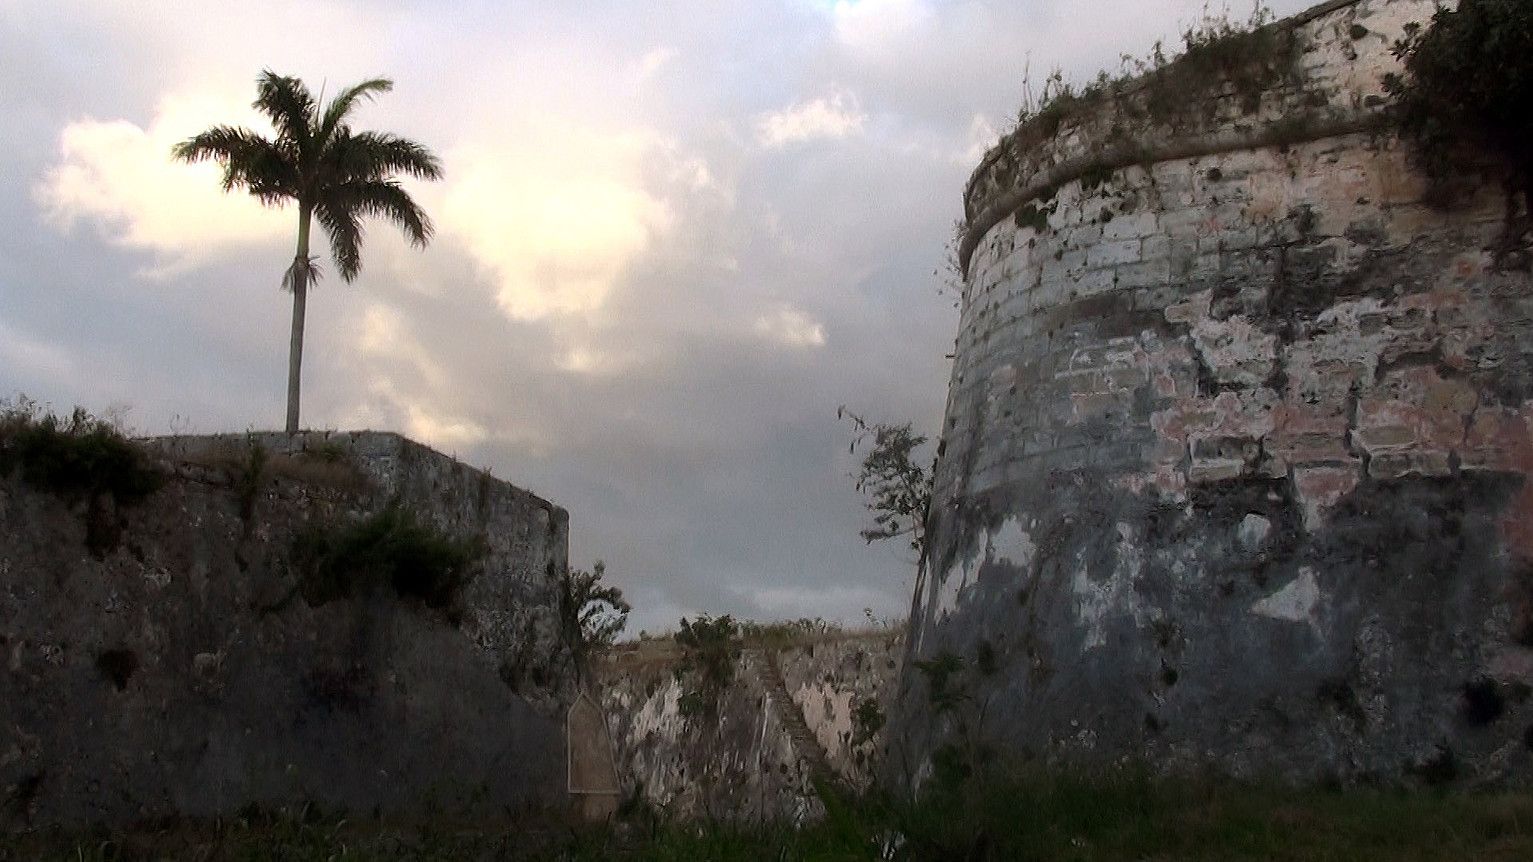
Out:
{"x": 333, "y": 173}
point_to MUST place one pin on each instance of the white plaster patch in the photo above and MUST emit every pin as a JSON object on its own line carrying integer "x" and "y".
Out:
{"x": 828, "y": 713}
{"x": 1253, "y": 531}
{"x": 1091, "y": 603}
{"x": 1295, "y": 602}
{"x": 660, "y": 714}
{"x": 1093, "y": 600}
{"x": 1011, "y": 543}
{"x": 945, "y": 592}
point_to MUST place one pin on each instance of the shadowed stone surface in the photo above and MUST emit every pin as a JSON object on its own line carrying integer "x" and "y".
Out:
{"x": 178, "y": 671}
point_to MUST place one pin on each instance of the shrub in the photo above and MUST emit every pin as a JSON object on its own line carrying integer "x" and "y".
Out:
{"x": 1468, "y": 85}
{"x": 945, "y": 688}
{"x": 1249, "y": 57}
{"x": 781, "y": 634}
{"x": 868, "y": 719}
{"x": 709, "y": 647}
{"x": 388, "y": 549}
{"x": 81, "y": 457}
{"x": 249, "y": 476}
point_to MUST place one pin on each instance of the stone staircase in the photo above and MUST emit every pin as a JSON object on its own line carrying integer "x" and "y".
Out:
{"x": 805, "y": 745}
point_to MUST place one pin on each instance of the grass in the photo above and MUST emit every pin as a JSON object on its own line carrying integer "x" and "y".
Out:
{"x": 252, "y": 468}
{"x": 1024, "y": 816}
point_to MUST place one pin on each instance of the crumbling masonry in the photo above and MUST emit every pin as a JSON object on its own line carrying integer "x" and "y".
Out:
{"x": 1236, "y": 461}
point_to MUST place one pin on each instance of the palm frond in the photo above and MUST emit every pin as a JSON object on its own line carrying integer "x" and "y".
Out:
{"x": 310, "y": 268}
{"x": 387, "y": 200}
{"x": 290, "y": 105}
{"x": 219, "y": 142}
{"x": 343, "y": 224}
{"x": 378, "y": 156}
{"x": 346, "y": 100}
{"x": 249, "y": 160}
{"x": 341, "y": 177}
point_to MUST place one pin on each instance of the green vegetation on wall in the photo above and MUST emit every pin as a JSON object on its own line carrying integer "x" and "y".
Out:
{"x": 710, "y": 646}
{"x": 1467, "y": 87}
{"x": 78, "y": 459}
{"x": 1219, "y": 57}
{"x": 389, "y": 549}
{"x": 81, "y": 457}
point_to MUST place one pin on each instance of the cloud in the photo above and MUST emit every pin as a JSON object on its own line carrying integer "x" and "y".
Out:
{"x": 655, "y": 60}
{"x": 555, "y": 214}
{"x": 826, "y": 118}
{"x": 789, "y": 326}
{"x": 982, "y": 136}
{"x": 592, "y": 361}
{"x": 879, "y": 26}
{"x": 21, "y": 353}
{"x": 387, "y": 407}
{"x": 385, "y": 336}
{"x": 120, "y": 178}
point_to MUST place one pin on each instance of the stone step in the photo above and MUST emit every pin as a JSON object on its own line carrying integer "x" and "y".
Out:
{"x": 805, "y": 744}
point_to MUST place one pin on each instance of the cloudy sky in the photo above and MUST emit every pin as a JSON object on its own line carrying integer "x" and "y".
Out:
{"x": 672, "y": 238}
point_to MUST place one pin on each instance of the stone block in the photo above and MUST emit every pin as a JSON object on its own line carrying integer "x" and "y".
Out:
{"x": 1108, "y": 254}
{"x": 1136, "y": 225}
{"x": 1320, "y": 488}
{"x": 1215, "y": 470}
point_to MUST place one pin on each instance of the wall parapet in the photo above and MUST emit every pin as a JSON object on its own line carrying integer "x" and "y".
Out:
{"x": 1129, "y": 123}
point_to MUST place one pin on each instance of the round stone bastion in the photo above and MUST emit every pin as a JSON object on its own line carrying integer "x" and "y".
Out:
{"x": 1235, "y": 467}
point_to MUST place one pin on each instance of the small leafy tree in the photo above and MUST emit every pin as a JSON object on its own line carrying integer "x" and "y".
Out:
{"x": 709, "y": 646}
{"x": 1468, "y": 85}
{"x": 898, "y": 488}
{"x": 591, "y": 614}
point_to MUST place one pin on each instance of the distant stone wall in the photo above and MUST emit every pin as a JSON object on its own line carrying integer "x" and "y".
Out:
{"x": 510, "y": 612}
{"x": 743, "y": 762}
{"x": 177, "y": 671}
{"x": 1236, "y": 458}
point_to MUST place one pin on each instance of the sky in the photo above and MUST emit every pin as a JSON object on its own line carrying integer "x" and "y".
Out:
{"x": 672, "y": 238}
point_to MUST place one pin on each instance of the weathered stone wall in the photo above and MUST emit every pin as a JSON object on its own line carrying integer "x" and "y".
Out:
{"x": 176, "y": 671}
{"x": 743, "y": 761}
{"x": 1235, "y": 462}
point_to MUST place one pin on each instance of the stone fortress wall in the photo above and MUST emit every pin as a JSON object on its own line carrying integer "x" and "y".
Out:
{"x": 1236, "y": 457}
{"x": 811, "y": 709}
{"x": 174, "y": 670}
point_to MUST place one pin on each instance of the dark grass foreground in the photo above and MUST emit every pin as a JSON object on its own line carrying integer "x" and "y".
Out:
{"x": 1011, "y": 819}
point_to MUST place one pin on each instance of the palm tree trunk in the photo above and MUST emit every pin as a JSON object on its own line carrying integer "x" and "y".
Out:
{"x": 300, "y": 300}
